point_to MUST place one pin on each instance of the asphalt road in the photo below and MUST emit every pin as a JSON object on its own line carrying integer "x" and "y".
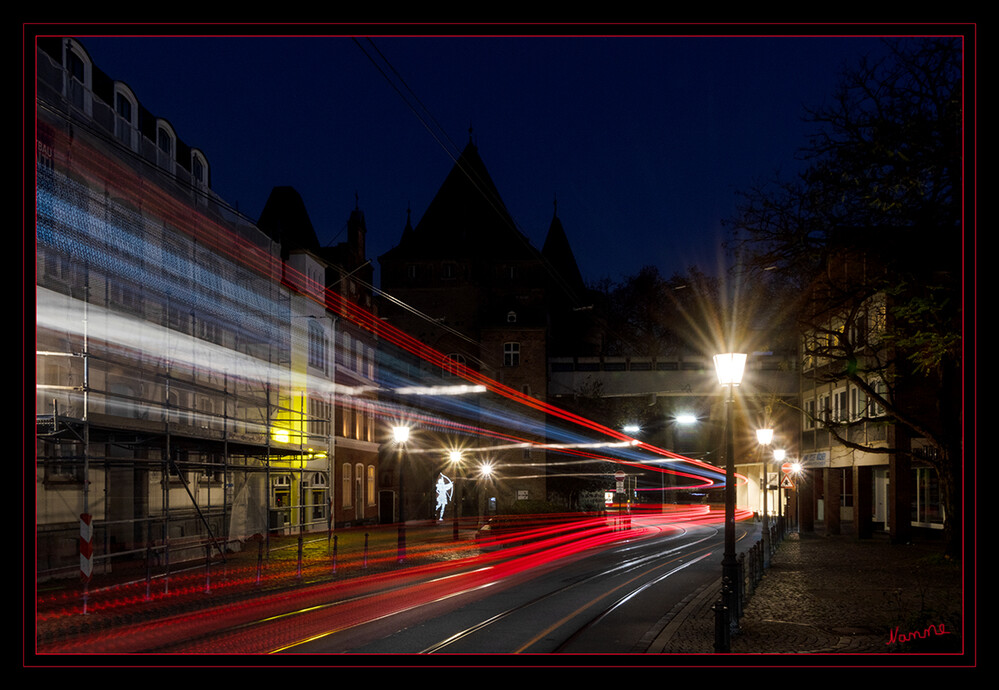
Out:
{"x": 604, "y": 600}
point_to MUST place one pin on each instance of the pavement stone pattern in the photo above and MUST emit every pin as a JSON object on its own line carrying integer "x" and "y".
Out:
{"x": 833, "y": 594}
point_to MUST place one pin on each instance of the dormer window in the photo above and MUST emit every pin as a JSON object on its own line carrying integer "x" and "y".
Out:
{"x": 511, "y": 317}
{"x": 164, "y": 141}
{"x": 78, "y": 83}
{"x": 165, "y": 146}
{"x": 76, "y": 68}
{"x": 199, "y": 169}
{"x": 125, "y": 109}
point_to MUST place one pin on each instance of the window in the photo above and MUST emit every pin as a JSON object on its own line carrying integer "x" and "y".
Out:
{"x": 857, "y": 402}
{"x": 371, "y": 485}
{"x": 199, "y": 169}
{"x": 926, "y": 508}
{"x": 165, "y": 146}
{"x": 825, "y": 408}
{"x": 809, "y": 421}
{"x": 347, "y": 486}
{"x": 319, "y": 414}
{"x": 282, "y": 491}
{"x": 78, "y": 83}
{"x": 511, "y": 354}
{"x": 360, "y": 476}
{"x": 318, "y": 345}
{"x": 456, "y": 362}
{"x": 319, "y": 500}
{"x": 839, "y": 400}
{"x": 449, "y": 271}
{"x": 164, "y": 141}
{"x": 66, "y": 464}
{"x": 877, "y": 317}
{"x": 123, "y": 123}
{"x": 874, "y": 408}
{"x": 511, "y": 317}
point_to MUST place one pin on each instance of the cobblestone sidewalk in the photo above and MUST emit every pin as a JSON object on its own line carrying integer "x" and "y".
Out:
{"x": 836, "y": 594}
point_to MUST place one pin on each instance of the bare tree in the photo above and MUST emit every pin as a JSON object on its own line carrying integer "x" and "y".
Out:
{"x": 869, "y": 236}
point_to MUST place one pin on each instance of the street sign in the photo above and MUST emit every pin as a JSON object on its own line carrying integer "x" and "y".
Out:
{"x": 786, "y": 468}
{"x": 619, "y": 476}
{"x": 786, "y": 483}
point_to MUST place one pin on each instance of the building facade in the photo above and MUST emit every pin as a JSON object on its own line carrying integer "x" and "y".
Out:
{"x": 867, "y": 417}
{"x": 185, "y": 376}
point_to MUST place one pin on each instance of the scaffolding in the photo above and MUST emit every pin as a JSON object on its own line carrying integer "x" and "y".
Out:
{"x": 166, "y": 416}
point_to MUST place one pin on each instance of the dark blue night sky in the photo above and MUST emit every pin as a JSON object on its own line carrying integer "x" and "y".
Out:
{"x": 643, "y": 140}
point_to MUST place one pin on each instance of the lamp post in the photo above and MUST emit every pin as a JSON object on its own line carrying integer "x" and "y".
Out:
{"x": 779, "y": 455}
{"x": 400, "y": 434}
{"x": 796, "y": 470}
{"x": 455, "y": 457}
{"x": 765, "y": 437}
{"x": 730, "y": 368}
{"x": 485, "y": 471}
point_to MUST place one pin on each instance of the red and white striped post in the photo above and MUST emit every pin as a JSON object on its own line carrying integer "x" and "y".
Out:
{"x": 86, "y": 553}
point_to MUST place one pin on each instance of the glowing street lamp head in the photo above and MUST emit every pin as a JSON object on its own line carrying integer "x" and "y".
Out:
{"x": 400, "y": 434}
{"x": 796, "y": 467}
{"x": 730, "y": 368}
{"x": 632, "y": 428}
{"x": 764, "y": 436}
{"x": 686, "y": 419}
{"x": 454, "y": 456}
{"x": 779, "y": 454}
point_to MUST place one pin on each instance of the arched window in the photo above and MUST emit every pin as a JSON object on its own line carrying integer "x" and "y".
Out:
{"x": 126, "y": 117}
{"x": 78, "y": 76}
{"x": 165, "y": 145}
{"x": 199, "y": 170}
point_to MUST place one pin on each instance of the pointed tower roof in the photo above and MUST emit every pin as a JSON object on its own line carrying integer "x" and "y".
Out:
{"x": 467, "y": 218}
{"x": 558, "y": 253}
{"x": 286, "y": 221}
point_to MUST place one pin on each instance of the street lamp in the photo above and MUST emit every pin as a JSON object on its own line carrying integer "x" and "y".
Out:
{"x": 779, "y": 455}
{"x": 796, "y": 470}
{"x": 455, "y": 457}
{"x": 485, "y": 472}
{"x": 400, "y": 434}
{"x": 730, "y": 368}
{"x": 765, "y": 437}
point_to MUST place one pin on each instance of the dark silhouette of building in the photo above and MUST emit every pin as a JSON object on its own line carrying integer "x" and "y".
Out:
{"x": 477, "y": 290}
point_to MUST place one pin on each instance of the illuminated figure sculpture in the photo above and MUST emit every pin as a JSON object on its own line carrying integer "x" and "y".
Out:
{"x": 445, "y": 488}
